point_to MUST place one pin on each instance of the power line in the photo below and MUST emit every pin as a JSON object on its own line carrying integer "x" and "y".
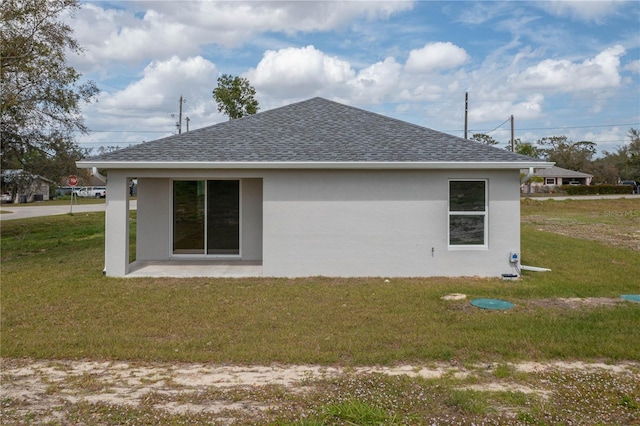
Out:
{"x": 581, "y": 127}
{"x": 500, "y": 125}
{"x": 129, "y": 131}
{"x": 552, "y": 128}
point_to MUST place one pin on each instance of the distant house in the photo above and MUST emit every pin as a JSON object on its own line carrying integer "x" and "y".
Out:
{"x": 28, "y": 187}
{"x": 314, "y": 188}
{"x": 548, "y": 179}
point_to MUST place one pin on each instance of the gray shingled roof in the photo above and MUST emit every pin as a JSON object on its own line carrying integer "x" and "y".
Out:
{"x": 560, "y": 172}
{"x": 315, "y": 130}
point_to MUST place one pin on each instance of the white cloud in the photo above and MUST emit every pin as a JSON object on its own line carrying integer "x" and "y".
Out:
{"x": 565, "y": 76}
{"x": 149, "y": 102}
{"x": 296, "y": 73}
{"x": 633, "y": 66}
{"x": 376, "y": 82}
{"x": 608, "y": 139}
{"x": 116, "y": 36}
{"x": 499, "y": 110}
{"x": 162, "y": 78}
{"x": 291, "y": 17}
{"x": 426, "y": 92}
{"x": 434, "y": 56}
{"x": 299, "y": 72}
{"x": 580, "y": 9}
{"x": 480, "y": 12}
{"x": 166, "y": 28}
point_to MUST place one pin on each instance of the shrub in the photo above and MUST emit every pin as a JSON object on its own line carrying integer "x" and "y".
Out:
{"x": 597, "y": 189}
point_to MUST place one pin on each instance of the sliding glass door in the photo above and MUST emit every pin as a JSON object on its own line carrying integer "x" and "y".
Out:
{"x": 188, "y": 217}
{"x": 206, "y": 217}
{"x": 223, "y": 217}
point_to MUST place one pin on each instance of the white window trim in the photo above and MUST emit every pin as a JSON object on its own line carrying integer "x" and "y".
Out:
{"x": 549, "y": 181}
{"x": 204, "y": 255}
{"x": 484, "y": 246}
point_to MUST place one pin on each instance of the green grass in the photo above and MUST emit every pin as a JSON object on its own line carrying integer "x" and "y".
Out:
{"x": 56, "y": 304}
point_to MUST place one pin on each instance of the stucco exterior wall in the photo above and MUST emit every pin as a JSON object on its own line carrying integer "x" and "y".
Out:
{"x": 153, "y": 224}
{"x": 343, "y": 223}
{"x": 381, "y": 223}
{"x": 116, "y": 246}
{"x": 251, "y": 192}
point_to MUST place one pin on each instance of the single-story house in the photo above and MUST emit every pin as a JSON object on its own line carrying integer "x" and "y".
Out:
{"x": 552, "y": 177}
{"x": 28, "y": 186}
{"x": 315, "y": 188}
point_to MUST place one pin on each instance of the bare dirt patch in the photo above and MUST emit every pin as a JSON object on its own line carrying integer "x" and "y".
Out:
{"x": 624, "y": 233}
{"x": 43, "y": 387}
{"x": 575, "y": 302}
{"x": 45, "y": 390}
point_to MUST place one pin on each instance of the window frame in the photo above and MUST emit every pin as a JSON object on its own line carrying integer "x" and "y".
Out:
{"x": 484, "y": 213}
{"x": 204, "y": 254}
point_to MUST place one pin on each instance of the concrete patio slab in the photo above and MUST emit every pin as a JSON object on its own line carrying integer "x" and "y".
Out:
{"x": 195, "y": 268}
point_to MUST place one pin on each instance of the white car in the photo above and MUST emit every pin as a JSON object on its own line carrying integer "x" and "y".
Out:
{"x": 5, "y": 198}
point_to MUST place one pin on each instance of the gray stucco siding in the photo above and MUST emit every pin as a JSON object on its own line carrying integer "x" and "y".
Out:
{"x": 153, "y": 224}
{"x": 251, "y": 192}
{"x": 342, "y": 223}
{"x": 380, "y": 223}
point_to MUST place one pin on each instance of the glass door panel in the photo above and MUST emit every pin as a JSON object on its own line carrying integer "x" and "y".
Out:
{"x": 188, "y": 217}
{"x": 223, "y": 217}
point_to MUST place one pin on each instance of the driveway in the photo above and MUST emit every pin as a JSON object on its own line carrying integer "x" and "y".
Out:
{"x": 22, "y": 212}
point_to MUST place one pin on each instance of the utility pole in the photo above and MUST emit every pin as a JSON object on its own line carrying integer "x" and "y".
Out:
{"x": 513, "y": 142}
{"x": 180, "y": 115}
{"x": 466, "y": 112}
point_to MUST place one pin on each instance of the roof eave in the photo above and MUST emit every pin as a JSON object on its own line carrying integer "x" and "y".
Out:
{"x": 314, "y": 165}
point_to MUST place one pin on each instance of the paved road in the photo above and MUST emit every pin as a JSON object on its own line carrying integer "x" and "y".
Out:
{"x": 22, "y": 212}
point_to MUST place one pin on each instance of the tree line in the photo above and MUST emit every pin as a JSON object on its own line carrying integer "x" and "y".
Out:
{"x": 609, "y": 168}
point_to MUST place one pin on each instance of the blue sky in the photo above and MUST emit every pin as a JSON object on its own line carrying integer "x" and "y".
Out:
{"x": 559, "y": 67}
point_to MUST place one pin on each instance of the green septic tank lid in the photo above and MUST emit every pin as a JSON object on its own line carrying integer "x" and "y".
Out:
{"x": 631, "y": 297}
{"x": 492, "y": 304}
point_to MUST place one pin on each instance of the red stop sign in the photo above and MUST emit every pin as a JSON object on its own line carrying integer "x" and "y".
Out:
{"x": 72, "y": 180}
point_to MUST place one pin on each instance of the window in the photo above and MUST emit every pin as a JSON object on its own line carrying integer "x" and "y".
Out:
{"x": 206, "y": 217}
{"x": 468, "y": 213}
{"x": 549, "y": 181}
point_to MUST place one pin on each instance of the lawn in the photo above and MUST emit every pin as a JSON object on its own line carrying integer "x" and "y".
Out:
{"x": 57, "y": 305}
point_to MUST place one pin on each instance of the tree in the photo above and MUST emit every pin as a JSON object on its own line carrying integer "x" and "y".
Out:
{"x": 235, "y": 96}
{"x": 606, "y": 169}
{"x": 567, "y": 154}
{"x": 484, "y": 138}
{"x": 40, "y": 95}
{"x": 526, "y": 148}
{"x": 622, "y": 164}
{"x": 634, "y": 155}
